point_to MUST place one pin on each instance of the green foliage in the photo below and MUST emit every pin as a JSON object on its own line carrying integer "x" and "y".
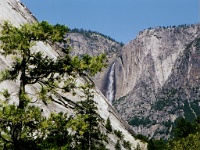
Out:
{"x": 108, "y": 125}
{"x": 36, "y": 131}
{"x": 156, "y": 145}
{"x": 186, "y": 135}
{"x": 138, "y": 147}
{"x": 183, "y": 128}
{"x": 18, "y": 127}
{"x": 127, "y": 145}
{"x": 138, "y": 121}
{"x": 89, "y": 33}
{"x": 118, "y": 145}
{"x": 142, "y": 137}
{"x": 44, "y": 70}
{"x": 88, "y": 64}
{"x": 151, "y": 145}
{"x": 191, "y": 142}
{"x": 5, "y": 94}
{"x": 57, "y": 134}
{"x": 19, "y": 40}
{"x": 87, "y": 124}
{"x": 23, "y": 126}
{"x": 119, "y": 134}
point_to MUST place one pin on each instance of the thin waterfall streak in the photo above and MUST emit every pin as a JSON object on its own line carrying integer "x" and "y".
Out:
{"x": 110, "y": 89}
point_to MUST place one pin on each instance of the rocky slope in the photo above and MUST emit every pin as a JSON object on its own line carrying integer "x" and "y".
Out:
{"x": 157, "y": 79}
{"x": 16, "y": 13}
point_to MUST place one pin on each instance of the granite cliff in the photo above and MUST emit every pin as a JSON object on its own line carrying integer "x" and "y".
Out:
{"x": 154, "y": 77}
{"x": 157, "y": 79}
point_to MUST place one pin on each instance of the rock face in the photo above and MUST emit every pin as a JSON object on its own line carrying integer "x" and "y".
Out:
{"x": 157, "y": 79}
{"x": 153, "y": 78}
{"x": 93, "y": 43}
{"x": 16, "y": 13}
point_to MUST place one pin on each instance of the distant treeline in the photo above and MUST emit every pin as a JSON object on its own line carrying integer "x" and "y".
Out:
{"x": 174, "y": 26}
{"x": 88, "y": 34}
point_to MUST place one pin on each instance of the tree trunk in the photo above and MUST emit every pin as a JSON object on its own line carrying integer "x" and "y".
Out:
{"x": 17, "y": 128}
{"x": 22, "y": 101}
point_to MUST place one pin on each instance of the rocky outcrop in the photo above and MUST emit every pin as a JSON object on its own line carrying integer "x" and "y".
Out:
{"x": 157, "y": 75}
{"x": 16, "y": 13}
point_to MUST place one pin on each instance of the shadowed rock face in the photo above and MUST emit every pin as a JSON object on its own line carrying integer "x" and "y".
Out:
{"x": 157, "y": 79}
{"x": 16, "y": 13}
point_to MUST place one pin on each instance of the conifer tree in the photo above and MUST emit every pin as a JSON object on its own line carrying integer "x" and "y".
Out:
{"x": 118, "y": 145}
{"x": 88, "y": 134}
{"x": 108, "y": 125}
{"x": 23, "y": 126}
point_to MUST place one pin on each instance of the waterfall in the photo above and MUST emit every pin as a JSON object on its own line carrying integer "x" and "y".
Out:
{"x": 110, "y": 88}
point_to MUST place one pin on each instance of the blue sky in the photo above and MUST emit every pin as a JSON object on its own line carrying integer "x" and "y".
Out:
{"x": 119, "y": 19}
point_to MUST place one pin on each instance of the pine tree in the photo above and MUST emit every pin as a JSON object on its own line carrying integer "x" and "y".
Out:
{"x": 151, "y": 145}
{"x": 183, "y": 128}
{"x": 108, "y": 125}
{"x": 18, "y": 131}
{"x": 88, "y": 123}
{"x": 117, "y": 145}
{"x": 19, "y": 124}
